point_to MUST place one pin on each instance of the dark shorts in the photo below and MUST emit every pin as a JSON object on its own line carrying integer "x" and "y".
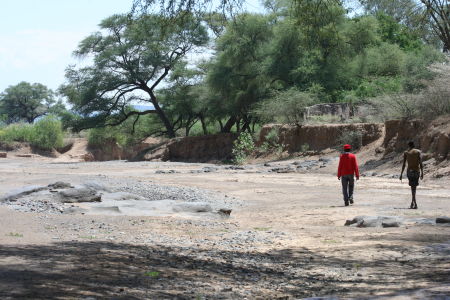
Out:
{"x": 413, "y": 177}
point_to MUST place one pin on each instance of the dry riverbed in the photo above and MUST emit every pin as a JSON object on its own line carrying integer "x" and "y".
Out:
{"x": 285, "y": 237}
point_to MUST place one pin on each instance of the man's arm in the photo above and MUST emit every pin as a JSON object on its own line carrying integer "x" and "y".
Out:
{"x": 421, "y": 166}
{"x": 355, "y": 166}
{"x": 403, "y": 167}
{"x": 339, "y": 168}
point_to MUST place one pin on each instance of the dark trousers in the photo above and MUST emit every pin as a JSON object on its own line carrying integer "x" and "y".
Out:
{"x": 348, "y": 183}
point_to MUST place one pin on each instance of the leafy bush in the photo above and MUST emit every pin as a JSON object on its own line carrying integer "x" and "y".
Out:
{"x": 242, "y": 147}
{"x": 354, "y": 138}
{"x": 47, "y": 133}
{"x": 124, "y": 134}
{"x": 286, "y": 106}
{"x": 272, "y": 137}
{"x": 19, "y": 132}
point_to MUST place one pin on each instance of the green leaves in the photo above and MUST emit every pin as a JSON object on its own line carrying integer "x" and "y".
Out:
{"x": 26, "y": 102}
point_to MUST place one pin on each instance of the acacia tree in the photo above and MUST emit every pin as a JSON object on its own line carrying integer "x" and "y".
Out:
{"x": 236, "y": 74}
{"x": 132, "y": 56}
{"x": 26, "y": 102}
{"x": 439, "y": 16}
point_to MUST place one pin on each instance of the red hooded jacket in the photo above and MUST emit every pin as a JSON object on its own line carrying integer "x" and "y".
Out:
{"x": 348, "y": 165}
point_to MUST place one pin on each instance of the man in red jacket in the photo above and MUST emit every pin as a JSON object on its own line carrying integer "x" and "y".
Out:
{"x": 348, "y": 168}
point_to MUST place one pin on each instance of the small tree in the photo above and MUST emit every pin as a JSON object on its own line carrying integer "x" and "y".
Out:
{"x": 26, "y": 102}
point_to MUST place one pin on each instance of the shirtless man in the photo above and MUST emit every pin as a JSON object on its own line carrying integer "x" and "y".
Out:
{"x": 414, "y": 158}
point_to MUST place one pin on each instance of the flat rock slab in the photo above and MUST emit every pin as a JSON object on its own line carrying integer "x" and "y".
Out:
{"x": 79, "y": 195}
{"x": 374, "y": 221}
{"x": 18, "y": 193}
{"x": 193, "y": 207}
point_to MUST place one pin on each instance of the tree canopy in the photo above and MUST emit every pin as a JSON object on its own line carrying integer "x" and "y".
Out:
{"x": 132, "y": 56}
{"x": 26, "y": 102}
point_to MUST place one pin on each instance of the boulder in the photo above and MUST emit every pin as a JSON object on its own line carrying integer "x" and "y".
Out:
{"x": 3, "y": 154}
{"x": 79, "y": 195}
{"x": 442, "y": 220}
{"x": 193, "y": 207}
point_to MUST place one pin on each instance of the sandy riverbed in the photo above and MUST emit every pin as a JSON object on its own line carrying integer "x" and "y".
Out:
{"x": 285, "y": 238}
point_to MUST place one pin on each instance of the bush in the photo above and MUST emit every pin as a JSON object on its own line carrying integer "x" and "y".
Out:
{"x": 354, "y": 138}
{"x": 20, "y": 132}
{"x": 242, "y": 147}
{"x": 124, "y": 134}
{"x": 47, "y": 133}
{"x": 286, "y": 107}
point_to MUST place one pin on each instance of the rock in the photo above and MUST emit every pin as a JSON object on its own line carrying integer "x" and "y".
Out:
{"x": 210, "y": 169}
{"x": 192, "y": 207}
{"x": 287, "y": 169}
{"x": 442, "y": 220}
{"x": 60, "y": 185}
{"x": 374, "y": 221}
{"x": 79, "y": 195}
{"x": 387, "y": 224}
{"x": 3, "y": 154}
{"x": 18, "y": 193}
{"x": 121, "y": 196}
{"x": 74, "y": 210}
{"x": 165, "y": 172}
{"x": 225, "y": 211}
{"x": 97, "y": 186}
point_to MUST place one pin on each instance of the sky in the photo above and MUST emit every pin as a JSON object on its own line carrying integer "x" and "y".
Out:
{"x": 37, "y": 37}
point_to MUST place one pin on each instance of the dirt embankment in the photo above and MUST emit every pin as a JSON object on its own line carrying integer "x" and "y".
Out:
{"x": 433, "y": 138}
{"x": 320, "y": 137}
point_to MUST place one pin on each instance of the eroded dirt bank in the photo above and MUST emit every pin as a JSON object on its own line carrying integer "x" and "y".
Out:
{"x": 285, "y": 238}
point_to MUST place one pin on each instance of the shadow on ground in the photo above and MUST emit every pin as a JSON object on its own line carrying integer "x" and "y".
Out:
{"x": 108, "y": 270}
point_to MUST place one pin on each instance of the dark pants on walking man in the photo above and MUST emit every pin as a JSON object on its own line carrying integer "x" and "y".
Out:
{"x": 348, "y": 183}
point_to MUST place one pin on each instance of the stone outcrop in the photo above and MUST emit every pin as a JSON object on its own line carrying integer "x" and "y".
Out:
{"x": 320, "y": 137}
{"x": 342, "y": 110}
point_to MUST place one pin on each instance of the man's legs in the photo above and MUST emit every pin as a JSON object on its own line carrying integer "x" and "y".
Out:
{"x": 345, "y": 184}
{"x": 413, "y": 201}
{"x": 351, "y": 186}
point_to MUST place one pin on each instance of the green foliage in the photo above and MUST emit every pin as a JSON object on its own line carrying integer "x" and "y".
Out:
{"x": 242, "y": 147}
{"x": 26, "y": 102}
{"x": 18, "y": 132}
{"x": 126, "y": 134}
{"x": 354, "y": 138}
{"x": 286, "y": 106}
{"x": 304, "y": 147}
{"x": 152, "y": 274}
{"x": 131, "y": 57}
{"x": 45, "y": 134}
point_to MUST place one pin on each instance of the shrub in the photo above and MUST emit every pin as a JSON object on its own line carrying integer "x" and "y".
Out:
{"x": 47, "y": 133}
{"x": 242, "y": 147}
{"x": 354, "y": 138}
{"x": 286, "y": 106}
{"x": 19, "y": 132}
{"x": 272, "y": 137}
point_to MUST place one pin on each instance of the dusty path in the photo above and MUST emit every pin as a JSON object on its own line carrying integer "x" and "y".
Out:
{"x": 284, "y": 240}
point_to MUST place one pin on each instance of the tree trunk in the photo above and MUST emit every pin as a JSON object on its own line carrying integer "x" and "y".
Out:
{"x": 165, "y": 120}
{"x": 205, "y": 130}
{"x": 228, "y": 125}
